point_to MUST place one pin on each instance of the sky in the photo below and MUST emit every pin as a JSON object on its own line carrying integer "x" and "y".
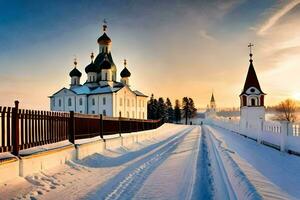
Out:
{"x": 173, "y": 48}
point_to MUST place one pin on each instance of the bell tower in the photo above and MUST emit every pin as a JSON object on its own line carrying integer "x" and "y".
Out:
{"x": 252, "y": 99}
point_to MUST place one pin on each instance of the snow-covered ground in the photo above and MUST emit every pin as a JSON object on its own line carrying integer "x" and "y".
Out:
{"x": 179, "y": 162}
{"x": 274, "y": 174}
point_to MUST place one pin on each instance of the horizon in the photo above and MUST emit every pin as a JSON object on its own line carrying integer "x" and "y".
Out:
{"x": 200, "y": 46}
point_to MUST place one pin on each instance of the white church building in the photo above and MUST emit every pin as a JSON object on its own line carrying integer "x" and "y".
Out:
{"x": 101, "y": 93}
{"x": 252, "y": 100}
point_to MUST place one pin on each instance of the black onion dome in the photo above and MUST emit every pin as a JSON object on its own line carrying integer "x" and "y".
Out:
{"x": 105, "y": 64}
{"x": 104, "y": 39}
{"x": 91, "y": 68}
{"x": 75, "y": 72}
{"x": 101, "y": 57}
{"x": 125, "y": 73}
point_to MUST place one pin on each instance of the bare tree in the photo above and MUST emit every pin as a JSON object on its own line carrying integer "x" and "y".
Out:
{"x": 286, "y": 110}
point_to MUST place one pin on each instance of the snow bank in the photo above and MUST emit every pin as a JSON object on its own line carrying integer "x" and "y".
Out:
{"x": 246, "y": 181}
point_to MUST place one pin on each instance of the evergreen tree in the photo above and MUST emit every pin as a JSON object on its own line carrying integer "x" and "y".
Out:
{"x": 188, "y": 107}
{"x": 170, "y": 111}
{"x": 161, "y": 109}
{"x": 151, "y": 108}
{"x": 185, "y": 108}
{"x": 177, "y": 111}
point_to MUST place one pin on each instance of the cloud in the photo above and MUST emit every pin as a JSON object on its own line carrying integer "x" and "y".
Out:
{"x": 276, "y": 16}
{"x": 206, "y": 36}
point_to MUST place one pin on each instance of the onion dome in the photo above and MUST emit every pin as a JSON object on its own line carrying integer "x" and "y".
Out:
{"x": 104, "y": 39}
{"x": 91, "y": 67}
{"x": 75, "y": 71}
{"x": 105, "y": 64}
{"x": 125, "y": 72}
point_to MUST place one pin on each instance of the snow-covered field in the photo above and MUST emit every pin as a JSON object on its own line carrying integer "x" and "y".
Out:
{"x": 179, "y": 162}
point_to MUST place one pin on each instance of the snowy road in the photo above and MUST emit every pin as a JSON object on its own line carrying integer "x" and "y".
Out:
{"x": 153, "y": 177}
{"x": 179, "y": 162}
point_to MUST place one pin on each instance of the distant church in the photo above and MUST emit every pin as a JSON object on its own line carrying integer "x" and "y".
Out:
{"x": 101, "y": 93}
{"x": 252, "y": 100}
{"x": 211, "y": 111}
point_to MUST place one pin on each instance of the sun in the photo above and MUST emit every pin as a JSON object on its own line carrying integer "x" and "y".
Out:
{"x": 296, "y": 96}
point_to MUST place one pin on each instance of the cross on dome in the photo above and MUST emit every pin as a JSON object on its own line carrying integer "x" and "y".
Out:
{"x": 104, "y": 26}
{"x": 75, "y": 62}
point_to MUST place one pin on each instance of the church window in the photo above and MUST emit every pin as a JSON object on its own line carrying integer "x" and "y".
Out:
{"x": 93, "y": 102}
{"x": 59, "y": 102}
{"x": 69, "y": 102}
{"x": 104, "y": 112}
{"x": 104, "y": 100}
{"x": 80, "y": 101}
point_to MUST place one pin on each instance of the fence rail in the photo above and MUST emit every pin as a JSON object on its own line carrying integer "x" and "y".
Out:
{"x": 22, "y": 129}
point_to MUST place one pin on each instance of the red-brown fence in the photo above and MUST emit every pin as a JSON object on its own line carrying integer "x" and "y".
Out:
{"x": 22, "y": 129}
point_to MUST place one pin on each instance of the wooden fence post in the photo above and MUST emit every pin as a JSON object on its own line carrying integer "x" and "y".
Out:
{"x": 101, "y": 126}
{"x": 72, "y": 127}
{"x": 15, "y": 129}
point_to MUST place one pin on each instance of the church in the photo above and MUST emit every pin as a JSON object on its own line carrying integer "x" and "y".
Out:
{"x": 211, "y": 108}
{"x": 252, "y": 100}
{"x": 101, "y": 93}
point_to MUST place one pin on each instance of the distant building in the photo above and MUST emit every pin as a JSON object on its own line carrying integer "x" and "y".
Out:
{"x": 101, "y": 93}
{"x": 252, "y": 100}
{"x": 211, "y": 108}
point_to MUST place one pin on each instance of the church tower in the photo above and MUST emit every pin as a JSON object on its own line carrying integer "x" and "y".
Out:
{"x": 212, "y": 102}
{"x": 252, "y": 99}
{"x": 105, "y": 45}
{"x": 125, "y": 74}
{"x": 75, "y": 75}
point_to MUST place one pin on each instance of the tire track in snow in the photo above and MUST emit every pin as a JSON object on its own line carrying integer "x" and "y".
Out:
{"x": 128, "y": 181}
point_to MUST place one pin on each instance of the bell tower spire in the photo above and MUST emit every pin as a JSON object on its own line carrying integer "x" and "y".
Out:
{"x": 252, "y": 98}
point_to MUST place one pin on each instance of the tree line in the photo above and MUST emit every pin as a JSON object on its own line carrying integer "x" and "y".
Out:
{"x": 164, "y": 110}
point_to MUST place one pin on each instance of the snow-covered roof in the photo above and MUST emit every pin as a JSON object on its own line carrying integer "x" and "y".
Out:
{"x": 138, "y": 93}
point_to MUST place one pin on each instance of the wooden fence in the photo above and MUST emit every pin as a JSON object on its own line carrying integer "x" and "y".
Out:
{"x": 23, "y": 129}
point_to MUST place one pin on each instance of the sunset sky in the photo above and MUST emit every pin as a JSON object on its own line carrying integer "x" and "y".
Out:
{"x": 174, "y": 48}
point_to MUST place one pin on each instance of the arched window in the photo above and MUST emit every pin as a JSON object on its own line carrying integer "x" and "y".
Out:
{"x": 80, "y": 101}
{"x": 104, "y": 100}
{"x": 59, "y": 102}
{"x": 253, "y": 102}
{"x": 120, "y": 114}
{"x": 104, "y": 112}
{"x": 69, "y": 102}
{"x": 93, "y": 102}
